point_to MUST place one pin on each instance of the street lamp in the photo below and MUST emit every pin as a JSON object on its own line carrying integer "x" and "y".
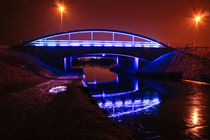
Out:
{"x": 197, "y": 20}
{"x": 61, "y": 9}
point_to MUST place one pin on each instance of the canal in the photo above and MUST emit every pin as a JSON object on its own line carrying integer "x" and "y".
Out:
{"x": 151, "y": 109}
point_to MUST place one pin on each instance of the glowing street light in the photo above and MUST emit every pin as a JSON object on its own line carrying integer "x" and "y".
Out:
{"x": 61, "y": 9}
{"x": 197, "y": 19}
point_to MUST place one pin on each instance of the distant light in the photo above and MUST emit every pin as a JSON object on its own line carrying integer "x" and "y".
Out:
{"x": 58, "y": 89}
{"x": 61, "y": 8}
{"x": 197, "y": 19}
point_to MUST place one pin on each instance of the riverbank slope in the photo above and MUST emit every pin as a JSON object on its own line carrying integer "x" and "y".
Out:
{"x": 30, "y": 111}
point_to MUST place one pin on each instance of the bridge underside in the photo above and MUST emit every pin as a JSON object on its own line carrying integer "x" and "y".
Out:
{"x": 52, "y": 53}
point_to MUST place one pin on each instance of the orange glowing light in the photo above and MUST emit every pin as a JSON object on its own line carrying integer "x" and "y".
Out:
{"x": 200, "y": 17}
{"x": 197, "y": 19}
{"x": 61, "y": 8}
{"x": 195, "y": 116}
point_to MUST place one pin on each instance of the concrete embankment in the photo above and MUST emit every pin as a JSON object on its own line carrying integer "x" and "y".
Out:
{"x": 192, "y": 67}
{"x": 185, "y": 63}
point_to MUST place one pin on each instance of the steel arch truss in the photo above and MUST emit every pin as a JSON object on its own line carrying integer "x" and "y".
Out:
{"x": 135, "y": 41}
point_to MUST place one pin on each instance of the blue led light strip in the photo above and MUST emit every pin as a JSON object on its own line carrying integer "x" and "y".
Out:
{"x": 51, "y": 41}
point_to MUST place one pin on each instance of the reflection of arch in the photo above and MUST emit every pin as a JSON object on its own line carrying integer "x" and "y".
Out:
{"x": 136, "y": 106}
{"x": 49, "y": 41}
{"x": 103, "y": 95}
{"x": 123, "y": 106}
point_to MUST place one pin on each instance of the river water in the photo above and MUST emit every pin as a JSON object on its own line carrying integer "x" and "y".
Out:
{"x": 151, "y": 109}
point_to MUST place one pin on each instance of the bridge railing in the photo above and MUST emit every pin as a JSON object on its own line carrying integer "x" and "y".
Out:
{"x": 93, "y": 43}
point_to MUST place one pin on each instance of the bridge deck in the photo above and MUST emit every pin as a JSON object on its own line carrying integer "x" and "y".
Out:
{"x": 95, "y": 43}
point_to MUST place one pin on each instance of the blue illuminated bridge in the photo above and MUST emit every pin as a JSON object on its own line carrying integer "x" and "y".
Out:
{"x": 109, "y": 38}
{"x": 131, "y": 52}
{"x": 81, "y": 42}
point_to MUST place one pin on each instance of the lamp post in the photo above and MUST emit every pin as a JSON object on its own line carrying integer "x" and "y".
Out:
{"x": 197, "y": 20}
{"x": 61, "y": 8}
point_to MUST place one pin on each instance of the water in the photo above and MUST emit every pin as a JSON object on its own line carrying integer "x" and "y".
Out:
{"x": 152, "y": 109}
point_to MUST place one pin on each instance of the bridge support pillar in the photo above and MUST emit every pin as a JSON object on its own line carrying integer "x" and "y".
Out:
{"x": 128, "y": 63}
{"x": 67, "y": 64}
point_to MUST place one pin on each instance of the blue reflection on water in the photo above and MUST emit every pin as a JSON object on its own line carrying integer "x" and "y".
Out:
{"x": 120, "y": 107}
{"x": 125, "y": 96}
{"x": 127, "y": 103}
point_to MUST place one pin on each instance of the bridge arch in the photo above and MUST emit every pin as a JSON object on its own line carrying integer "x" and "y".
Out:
{"x": 134, "y": 41}
{"x": 106, "y": 55}
{"x": 125, "y": 62}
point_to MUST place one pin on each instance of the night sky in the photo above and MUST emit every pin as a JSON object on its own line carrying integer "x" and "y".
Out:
{"x": 162, "y": 20}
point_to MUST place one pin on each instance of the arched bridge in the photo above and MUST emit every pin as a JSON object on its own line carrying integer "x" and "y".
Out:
{"x": 81, "y": 42}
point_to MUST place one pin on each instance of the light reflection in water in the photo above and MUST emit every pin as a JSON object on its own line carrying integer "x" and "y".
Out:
{"x": 126, "y": 102}
{"x": 195, "y": 116}
{"x": 113, "y": 94}
{"x": 136, "y": 104}
{"x": 124, "y": 96}
{"x": 120, "y": 108}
